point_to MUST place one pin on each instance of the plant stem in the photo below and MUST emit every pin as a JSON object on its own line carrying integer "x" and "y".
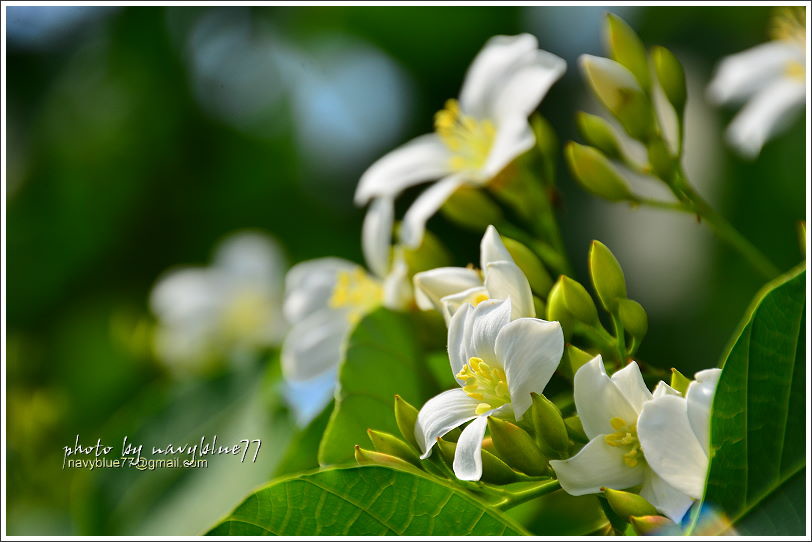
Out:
{"x": 516, "y": 498}
{"x": 667, "y": 205}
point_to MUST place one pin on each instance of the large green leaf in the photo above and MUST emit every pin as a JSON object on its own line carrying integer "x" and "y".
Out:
{"x": 757, "y": 442}
{"x": 382, "y": 359}
{"x": 361, "y": 501}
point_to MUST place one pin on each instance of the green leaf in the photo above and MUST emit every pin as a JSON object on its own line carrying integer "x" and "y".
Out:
{"x": 302, "y": 452}
{"x": 757, "y": 437}
{"x": 363, "y": 501}
{"x": 382, "y": 360}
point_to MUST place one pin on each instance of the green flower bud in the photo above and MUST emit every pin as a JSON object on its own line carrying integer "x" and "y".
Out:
{"x": 368, "y": 457}
{"x": 576, "y": 357}
{"x": 671, "y": 77}
{"x": 494, "y": 470}
{"x": 431, "y": 254}
{"x": 625, "y": 47}
{"x": 662, "y": 163}
{"x": 607, "y": 276}
{"x": 618, "y": 90}
{"x": 654, "y": 525}
{"x": 596, "y": 173}
{"x": 557, "y": 310}
{"x": 627, "y": 504}
{"x": 633, "y": 317}
{"x": 516, "y": 447}
{"x": 390, "y": 444}
{"x": 598, "y": 133}
{"x": 406, "y": 418}
{"x": 548, "y": 425}
{"x": 575, "y": 429}
{"x": 547, "y": 143}
{"x": 679, "y": 381}
{"x": 578, "y": 301}
{"x": 538, "y": 277}
{"x": 471, "y": 208}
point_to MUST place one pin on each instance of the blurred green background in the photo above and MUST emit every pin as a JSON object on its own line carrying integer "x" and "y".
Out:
{"x": 140, "y": 136}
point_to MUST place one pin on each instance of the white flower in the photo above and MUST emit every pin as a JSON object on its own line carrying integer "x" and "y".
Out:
{"x": 498, "y": 363}
{"x": 616, "y": 456}
{"x": 232, "y": 308}
{"x": 446, "y": 289}
{"x": 770, "y": 77}
{"x": 475, "y": 138}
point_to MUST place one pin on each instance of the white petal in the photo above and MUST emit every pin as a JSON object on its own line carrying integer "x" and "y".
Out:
{"x": 483, "y": 326}
{"x": 630, "y": 383}
{"x": 451, "y": 303}
{"x": 765, "y": 114}
{"x": 664, "y": 497}
{"x": 513, "y": 138}
{"x": 424, "y": 207}
{"x": 700, "y": 398}
{"x": 437, "y": 283}
{"x": 743, "y": 74}
{"x": 456, "y": 339}
{"x": 397, "y": 289}
{"x": 376, "y": 235}
{"x": 664, "y": 389}
{"x": 530, "y": 350}
{"x": 422, "y": 159}
{"x": 250, "y": 255}
{"x": 441, "y": 414}
{"x": 468, "y": 455}
{"x": 187, "y": 294}
{"x": 315, "y": 344}
{"x": 491, "y": 67}
{"x": 521, "y": 92}
{"x": 598, "y": 399}
{"x": 597, "y": 465}
{"x": 492, "y": 249}
{"x": 505, "y": 280}
{"x": 670, "y": 446}
{"x": 309, "y": 286}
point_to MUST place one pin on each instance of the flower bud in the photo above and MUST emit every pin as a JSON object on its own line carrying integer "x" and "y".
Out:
{"x": 633, "y": 317}
{"x": 406, "y": 418}
{"x": 626, "y": 48}
{"x": 390, "y": 444}
{"x": 575, "y": 429}
{"x": 578, "y": 301}
{"x": 471, "y": 208}
{"x": 431, "y": 254}
{"x": 531, "y": 266}
{"x": 618, "y": 90}
{"x": 494, "y": 470}
{"x": 576, "y": 357}
{"x": 598, "y": 133}
{"x": 654, "y": 525}
{"x": 607, "y": 276}
{"x": 548, "y": 425}
{"x": 679, "y": 381}
{"x": 368, "y": 457}
{"x": 662, "y": 163}
{"x": 557, "y": 310}
{"x": 596, "y": 173}
{"x": 671, "y": 77}
{"x": 516, "y": 447}
{"x": 626, "y": 504}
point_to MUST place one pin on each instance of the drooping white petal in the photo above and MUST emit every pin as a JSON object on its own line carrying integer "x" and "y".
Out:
{"x": 441, "y": 414}
{"x": 743, "y": 74}
{"x": 376, "y": 235}
{"x": 598, "y": 399}
{"x": 457, "y": 350}
{"x": 250, "y": 255}
{"x": 435, "y": 284}
{"x": 630, "y": 383}
{"x": 521, "y": 92}
{"x": 483, "y": 326}
{"x": 513, "y": 138}
{"x": 504, "y": 280}
{"x": 665, "y": 498}
{"x": 669, "y": 445}
{"x": 491, "y": 67}
{"x": 664, "y": 389}
{"x": 530, "y": 350}
{"x": 309, "y": 286}
{"x": 597, "y": 465}
{"x": 397, "y": 289}
{"x": 700, "y": 398}
{"x": 451, "y": 303}
{"x": 468, "y": 455}
{"x": 424, "y": 207}
{"x": 422, "y": 159}
{"x": 765, "y": 114}
{"x": 492, "y": 249}
{"x": 314, "y": 344}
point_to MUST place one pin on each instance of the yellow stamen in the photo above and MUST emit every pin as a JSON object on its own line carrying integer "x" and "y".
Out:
{"x": 479, "y": 298}
{"x": 358, "y": 292}
{"x": 789, "y": 24}
{"x": 469, "y": 139}
{"x": 485, "y": 384}
{"x": 625, "y": 435}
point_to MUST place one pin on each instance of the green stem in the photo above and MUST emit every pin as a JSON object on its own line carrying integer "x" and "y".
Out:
{"x": 514, "y": 499}
{"x": 620, "y": 338}
{"x": 666, "y": 205}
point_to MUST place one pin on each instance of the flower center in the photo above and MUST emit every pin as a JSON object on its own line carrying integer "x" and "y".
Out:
{"x": 356, "y": 291}
{"x": 625, "y": 435}
{"x": 245, "y": 316}
{"x": 485, "y": 384}
{"x": 789, "y": 24}
{"x": 469, "y": 139}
